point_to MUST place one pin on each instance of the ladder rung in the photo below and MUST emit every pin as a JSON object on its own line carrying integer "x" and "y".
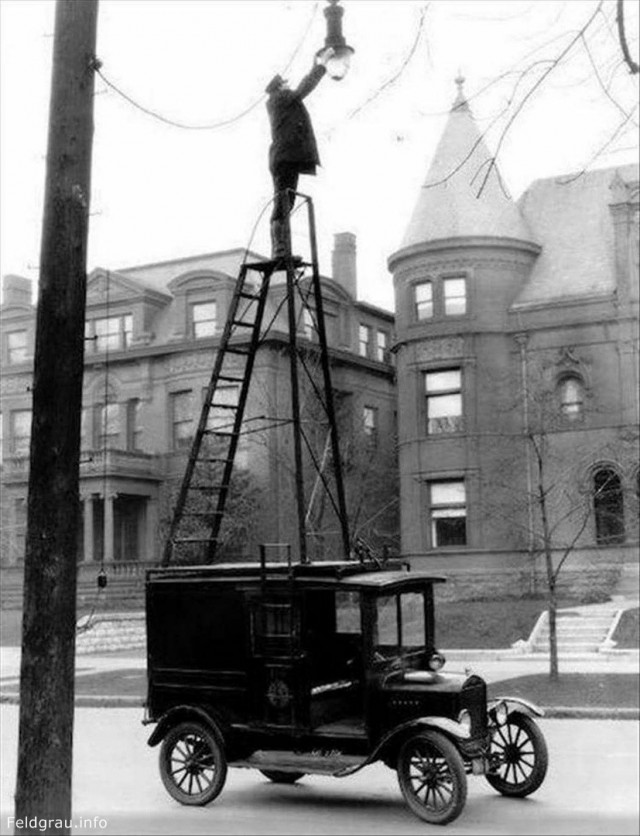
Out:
{"x": 243, "y": 324}
{"x": 203, "y": 460}
{"x": 244, "y": 295}
{"x": 220, "y": 433}
{"x": 230, "y": 379}
{"x": 208, "y": 487}
{"x": 215, "y": 405}
{"x": 236, "y": 350}
{"x": 177, "y": 541}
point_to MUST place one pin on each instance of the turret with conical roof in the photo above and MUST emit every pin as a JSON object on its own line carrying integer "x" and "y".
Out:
{"x": 455, "y": 200}
{"x": 465, "y": 256}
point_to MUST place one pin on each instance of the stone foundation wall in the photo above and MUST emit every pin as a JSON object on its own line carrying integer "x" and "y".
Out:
{"x": 111, "y": 631}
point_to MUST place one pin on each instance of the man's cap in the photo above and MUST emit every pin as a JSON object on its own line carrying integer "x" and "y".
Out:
{"x": 274, "y": 84}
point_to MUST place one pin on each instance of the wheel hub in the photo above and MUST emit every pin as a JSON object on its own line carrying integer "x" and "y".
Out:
{"x": 511, "y": 753}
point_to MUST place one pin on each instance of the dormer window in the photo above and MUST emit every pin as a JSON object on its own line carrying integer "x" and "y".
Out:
{"x": 110, "y": 333}
{"x": 16, "y": 347}
{"x": 454, "y": 292}
{"x": 203, "y": 319}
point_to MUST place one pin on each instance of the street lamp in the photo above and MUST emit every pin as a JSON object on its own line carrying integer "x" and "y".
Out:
{"x": 338, "y": 65}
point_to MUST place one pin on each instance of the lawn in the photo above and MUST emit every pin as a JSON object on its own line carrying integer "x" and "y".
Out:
{"x": 488, "y": 624}
{"x": 584, "y": 690}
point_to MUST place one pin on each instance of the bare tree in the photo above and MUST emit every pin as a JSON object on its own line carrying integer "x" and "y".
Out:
{"x": 558, "y": 505}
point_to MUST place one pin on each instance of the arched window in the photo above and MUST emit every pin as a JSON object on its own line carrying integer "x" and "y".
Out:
{"x": 608, "y": 506}
{"x": 571, "y": 392}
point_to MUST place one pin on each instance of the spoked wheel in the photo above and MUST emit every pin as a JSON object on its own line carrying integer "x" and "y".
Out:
{"x": 193, "y": 766}
{"x": 432, "y": 777}
{"x": 523, "y": 751}
{"x": 282, "y": 777}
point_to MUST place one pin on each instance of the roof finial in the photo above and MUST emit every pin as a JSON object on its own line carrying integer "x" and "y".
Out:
{"x": 461, "y": 100}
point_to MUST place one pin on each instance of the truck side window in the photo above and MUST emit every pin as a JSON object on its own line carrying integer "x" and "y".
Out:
{"x": 348, "y": 612}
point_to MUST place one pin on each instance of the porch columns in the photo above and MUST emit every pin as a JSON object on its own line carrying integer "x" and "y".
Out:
{"x": 108, "y": 527}
{"x": 88, "y": 534}
{"x": 151, "y": 538}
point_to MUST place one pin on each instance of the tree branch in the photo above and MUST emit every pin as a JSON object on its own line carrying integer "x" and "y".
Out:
{"x": 622, "y": 37}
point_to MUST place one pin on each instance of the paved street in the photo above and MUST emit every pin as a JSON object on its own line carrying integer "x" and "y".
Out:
{"x": 591, "y": 787}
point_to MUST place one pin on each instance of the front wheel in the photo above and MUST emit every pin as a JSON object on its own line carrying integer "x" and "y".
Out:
{"x": 522, "y": 750}
{"x": 432, "y": 777}
{"x": 193, "y": 766}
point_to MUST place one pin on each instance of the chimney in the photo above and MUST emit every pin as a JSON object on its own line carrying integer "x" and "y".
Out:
{"x": 344, "y": 261}
{"x": 16, "y": 291}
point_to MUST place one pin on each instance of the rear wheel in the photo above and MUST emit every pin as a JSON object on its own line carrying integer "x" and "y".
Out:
{"x": 282, "y": 777}
{"x": 432, "y": 777}
{"x": 523, "y": 751}
{"x": 193, "y": 766}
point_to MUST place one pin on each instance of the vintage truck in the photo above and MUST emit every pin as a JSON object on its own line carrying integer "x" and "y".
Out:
{"x": 322, "y": 668}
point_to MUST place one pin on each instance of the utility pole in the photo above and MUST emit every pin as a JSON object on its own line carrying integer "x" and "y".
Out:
{"x": 43, "y": 789}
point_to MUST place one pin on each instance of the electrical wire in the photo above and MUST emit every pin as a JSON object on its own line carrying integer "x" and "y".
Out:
{"x": 96, "y": 65}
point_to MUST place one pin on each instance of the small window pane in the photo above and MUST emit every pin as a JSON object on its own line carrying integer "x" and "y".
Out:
{"x": 364, "y": 338}
{"x": 450, "y": 531}
{"x": 424, "y": 300}
{"x": 443, "y": 493}
{"x": 20, "y": 432}
{"x": 444, "y": 406}
{"x": 413, "y": 625}
{"x": 382, "y": 346}
{"x": 387, "y": 639}
{"x": 442, "y": 381}
{"x": 17, "y": 346}
{"x": 348, "y": 612}
{"x": 455, "y": 296}
{"x": 204, "y": 319}
{"x": 571, "y": 398}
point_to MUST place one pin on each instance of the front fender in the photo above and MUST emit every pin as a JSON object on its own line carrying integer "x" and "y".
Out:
{"x": 450, "y": 727}
{"x": 178, "y": 714}
{"x": 516, "y": 704}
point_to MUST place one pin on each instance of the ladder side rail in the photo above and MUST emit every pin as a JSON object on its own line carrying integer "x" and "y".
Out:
{"x": 204, "y": 416}
{"x": 326, "y": 371}
{"x": 242, "y": 400}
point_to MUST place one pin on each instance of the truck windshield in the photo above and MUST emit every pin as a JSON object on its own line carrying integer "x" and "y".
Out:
{"x": 400, "y": 624}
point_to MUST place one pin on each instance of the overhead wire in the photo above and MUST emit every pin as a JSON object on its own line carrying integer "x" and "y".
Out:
{"x": 97, "y": 64}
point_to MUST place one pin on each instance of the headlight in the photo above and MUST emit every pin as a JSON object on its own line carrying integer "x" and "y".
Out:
{"x": 464, "y": 718}
{"x": 436, "y": 661}
{"x": 500, "y": 713}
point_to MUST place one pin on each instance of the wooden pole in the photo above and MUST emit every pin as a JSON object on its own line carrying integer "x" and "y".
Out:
{"x": 43, "y": 789}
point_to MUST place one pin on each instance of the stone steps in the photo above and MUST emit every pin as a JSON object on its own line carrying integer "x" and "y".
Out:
{"x": 576, "y": 632}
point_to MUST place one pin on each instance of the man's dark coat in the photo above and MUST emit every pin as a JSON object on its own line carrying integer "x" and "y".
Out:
{"x": 293, "y": 144}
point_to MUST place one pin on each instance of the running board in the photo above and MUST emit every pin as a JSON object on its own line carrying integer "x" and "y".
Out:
{"x": 309, "y": 763}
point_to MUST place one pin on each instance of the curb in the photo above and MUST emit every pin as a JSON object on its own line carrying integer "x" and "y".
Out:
{"x": 551, "y": 712}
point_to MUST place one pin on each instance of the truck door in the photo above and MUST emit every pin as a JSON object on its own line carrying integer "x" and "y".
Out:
{"x": 279, "y": 663}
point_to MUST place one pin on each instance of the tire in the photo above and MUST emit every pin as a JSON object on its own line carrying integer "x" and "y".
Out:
{"x": 282, "y": 777}
{"x": 432, "y": 777}
{"x": 524, "y": 750}
{"x": 193, "y": 766}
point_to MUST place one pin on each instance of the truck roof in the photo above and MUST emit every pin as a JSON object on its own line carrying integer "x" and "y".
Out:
{"x": 345, "y": 574}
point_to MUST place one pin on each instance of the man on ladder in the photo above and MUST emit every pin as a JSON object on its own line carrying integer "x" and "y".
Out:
{"x": 293, "y": 148}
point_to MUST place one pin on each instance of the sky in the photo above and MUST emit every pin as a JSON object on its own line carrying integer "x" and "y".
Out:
{"x": 162, "y": 192}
